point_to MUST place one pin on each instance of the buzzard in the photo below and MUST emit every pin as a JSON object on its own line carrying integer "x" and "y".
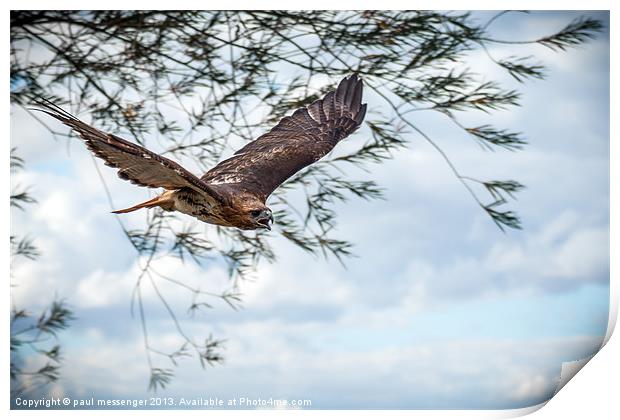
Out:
{"x": 234, "y": 192}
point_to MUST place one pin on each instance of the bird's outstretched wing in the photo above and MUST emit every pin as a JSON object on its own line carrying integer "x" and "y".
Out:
{"x": 134, "y": 163}
{"x": 296, "y": 142}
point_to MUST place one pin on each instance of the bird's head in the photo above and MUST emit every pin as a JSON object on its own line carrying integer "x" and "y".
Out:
{"x": 248, "y": 212}
{"x": 261, "y": 217}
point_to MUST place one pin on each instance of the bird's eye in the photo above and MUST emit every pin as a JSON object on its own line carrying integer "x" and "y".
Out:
{"x": 255, "y": 213}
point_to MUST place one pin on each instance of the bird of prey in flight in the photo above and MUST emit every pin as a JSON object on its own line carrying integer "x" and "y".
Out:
{"x": 234, "y": 192}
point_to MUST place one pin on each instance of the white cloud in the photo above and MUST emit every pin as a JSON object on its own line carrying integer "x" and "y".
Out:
{"x": 101, "y": 289}
{"x": 103, "y": 366}
{"x": 534, "y": 387}
{"x": 563, "y": 252}
{"x": 293, "y": 282}
{"x": 104, "y": 288}
{"x": 274, "y": 359}
{"x": 585, "y": 254}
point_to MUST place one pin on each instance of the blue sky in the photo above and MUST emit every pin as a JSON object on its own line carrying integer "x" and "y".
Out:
{"x": 439, "y": 310}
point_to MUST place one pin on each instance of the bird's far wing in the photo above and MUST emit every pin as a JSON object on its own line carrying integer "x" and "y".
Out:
{"x": 296, "y": 142}
{"x": 134, "y": 163}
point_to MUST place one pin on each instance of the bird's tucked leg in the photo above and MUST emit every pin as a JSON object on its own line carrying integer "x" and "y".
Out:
{"x": 165, "y": 201}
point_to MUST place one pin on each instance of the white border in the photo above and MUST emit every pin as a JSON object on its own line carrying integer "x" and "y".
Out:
{"x": 593, "y": 394}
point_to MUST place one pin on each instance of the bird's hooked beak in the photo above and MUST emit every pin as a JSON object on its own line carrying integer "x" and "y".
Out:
{"x": 265, "y": 219}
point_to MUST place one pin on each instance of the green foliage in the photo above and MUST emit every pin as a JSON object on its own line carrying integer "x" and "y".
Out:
{"x": 489, "y": 138}
{"x": 16, "y": 161}
{"x": 160, "y": 378}
{"x": 23, "y": 247}
{"x": 30, "y": 336}
{"x": 577, "y": 32}
{"x": 520, "y": 69}
{"x": 19, "y": 196}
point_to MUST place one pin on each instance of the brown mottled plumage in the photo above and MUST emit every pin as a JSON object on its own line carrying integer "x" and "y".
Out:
{"x": 234, "y": 192}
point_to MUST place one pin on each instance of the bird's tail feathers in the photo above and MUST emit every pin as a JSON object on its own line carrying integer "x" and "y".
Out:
{"x": 161, "y": 201}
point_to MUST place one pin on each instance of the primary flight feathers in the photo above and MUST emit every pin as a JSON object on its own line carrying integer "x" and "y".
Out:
{"x": 233, "y": 193}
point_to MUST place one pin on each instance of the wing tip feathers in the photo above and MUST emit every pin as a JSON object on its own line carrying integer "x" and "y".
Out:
{"x": 352, "y": 96}
{"x": 347, "y": 98}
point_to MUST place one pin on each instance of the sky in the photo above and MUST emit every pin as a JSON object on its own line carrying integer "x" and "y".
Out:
{"x": 440, "y": 309}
